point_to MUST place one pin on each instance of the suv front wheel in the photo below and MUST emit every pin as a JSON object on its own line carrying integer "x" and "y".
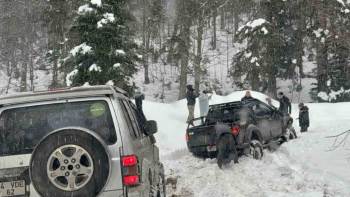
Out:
{"x": 256, "y": 149}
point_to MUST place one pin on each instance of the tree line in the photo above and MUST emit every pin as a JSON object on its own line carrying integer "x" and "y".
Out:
{"x": 98, "y": 42}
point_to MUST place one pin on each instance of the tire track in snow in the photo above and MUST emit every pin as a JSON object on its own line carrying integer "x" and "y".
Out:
{"x": 277, "y": 174}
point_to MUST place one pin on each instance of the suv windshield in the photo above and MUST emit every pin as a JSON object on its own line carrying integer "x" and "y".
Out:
{"x": 22, "y": 128}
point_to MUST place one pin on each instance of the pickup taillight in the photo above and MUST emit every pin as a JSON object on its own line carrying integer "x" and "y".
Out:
{"x": 235, "y": 130}
{"x": 131, "y": 175}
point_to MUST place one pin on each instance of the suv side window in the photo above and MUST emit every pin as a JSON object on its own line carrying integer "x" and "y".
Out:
{"x": 262, "y": 110}
{"x": 138, "y": 117}
{"x": 130, "y": 118}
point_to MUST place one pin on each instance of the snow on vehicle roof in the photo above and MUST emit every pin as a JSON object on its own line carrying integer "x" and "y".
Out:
{"x": 238, "y": 95}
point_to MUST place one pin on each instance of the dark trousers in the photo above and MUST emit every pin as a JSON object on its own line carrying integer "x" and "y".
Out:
{"x": 303, "y": 128}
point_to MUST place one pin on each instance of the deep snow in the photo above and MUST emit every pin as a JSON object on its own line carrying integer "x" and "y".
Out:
{"x": 303, "y": 167}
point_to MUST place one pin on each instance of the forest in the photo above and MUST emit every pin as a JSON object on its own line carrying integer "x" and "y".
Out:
{"x": 163, "y": 45}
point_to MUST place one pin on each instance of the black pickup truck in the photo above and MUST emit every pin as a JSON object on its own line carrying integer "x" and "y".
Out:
{"x": 238, "y": 128}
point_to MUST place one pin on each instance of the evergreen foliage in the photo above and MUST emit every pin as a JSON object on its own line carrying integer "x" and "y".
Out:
{"x": 108, "y": 52}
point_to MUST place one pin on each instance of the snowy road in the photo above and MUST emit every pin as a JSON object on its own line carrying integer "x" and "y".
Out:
{"x": 306, "y": 166}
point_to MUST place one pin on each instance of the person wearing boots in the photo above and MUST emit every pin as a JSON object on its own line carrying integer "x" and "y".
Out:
{"x": 191, "y": 102}
{"x": 304, "y": 121}
{"x": 285, "y": 104}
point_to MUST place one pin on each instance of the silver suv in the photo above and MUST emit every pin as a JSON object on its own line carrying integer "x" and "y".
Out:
{"x": 77, "y": 142}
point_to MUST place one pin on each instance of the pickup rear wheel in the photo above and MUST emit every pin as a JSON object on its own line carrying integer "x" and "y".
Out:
{"x": 226, "y": 150}
{"x": 256, "y": 149}
{"x": 69, "y": 163}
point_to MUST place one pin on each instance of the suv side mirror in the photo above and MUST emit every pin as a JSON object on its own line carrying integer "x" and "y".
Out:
{"x": 151, "y": 127}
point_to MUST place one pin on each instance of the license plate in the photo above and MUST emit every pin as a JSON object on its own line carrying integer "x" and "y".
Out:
{"x": 12, "y": 188}
{"x": 211, "y": 148}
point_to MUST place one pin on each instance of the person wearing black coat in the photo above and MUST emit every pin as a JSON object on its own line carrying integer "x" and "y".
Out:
{"x": 191, "y": 102}
{"x": 247, "y": 97}
{"x": 139, "y": 97}
{"x": 304, "y": 121}
{"x": 285, "y": 104}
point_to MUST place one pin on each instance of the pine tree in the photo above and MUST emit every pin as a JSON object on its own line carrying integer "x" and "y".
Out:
{"x": 264, "y": 58}
{"x": 331, "y": 37}
{"x": 107, "y": 53}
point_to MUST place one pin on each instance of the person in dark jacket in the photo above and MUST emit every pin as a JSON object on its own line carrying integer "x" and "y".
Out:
{"x": 139, "y": 97}
{"x": 247, "y": 97}
{"x": 191, "y": 102}
{"x": 304, "y": 121}
{"x": 285, "y": 104}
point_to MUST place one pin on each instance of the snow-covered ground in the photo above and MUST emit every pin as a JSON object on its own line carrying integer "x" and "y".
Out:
{"x": 306, "y": 166}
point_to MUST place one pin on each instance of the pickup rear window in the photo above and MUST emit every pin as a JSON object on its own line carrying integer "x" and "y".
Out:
{"x": 22, "y": 128}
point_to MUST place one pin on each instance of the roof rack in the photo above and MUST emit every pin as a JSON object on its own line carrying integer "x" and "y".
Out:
{"x": 61, "y": 93}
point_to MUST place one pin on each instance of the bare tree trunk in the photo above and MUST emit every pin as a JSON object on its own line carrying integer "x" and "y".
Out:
{"x": 213, "y": 42}
{"x": 197, "y": 70}
{"x": 23, "y": 86}
{"x": 146, "y": 42}
{"x": 185, "y": 39}
{"x": 170, "y": 58}
{"x": 299, "y": 37}
{"x": 236, "y": 24}
{"x": 54, "y": 83}
{"x": 9, "y": 74}
{"x": 184, "y": 45}
{"x": 222, "y": 18}
{"x": 31, "y": 73}
{"x": 146, "y": 56}
{"x": 254, "y": 80}
{"x": 322, "y": 49}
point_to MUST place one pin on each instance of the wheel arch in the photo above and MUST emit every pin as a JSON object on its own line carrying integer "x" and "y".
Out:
{"x": 255, "y": 133}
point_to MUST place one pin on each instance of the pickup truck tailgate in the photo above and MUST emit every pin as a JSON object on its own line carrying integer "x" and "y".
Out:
{"x": 201, "y": 136}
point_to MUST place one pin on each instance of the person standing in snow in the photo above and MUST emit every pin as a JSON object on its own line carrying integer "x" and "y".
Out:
{"x": 191, "y": 102}
{"x": 139, "y": 97}
{"x": 204, "y": 103}
{"x": 285, "y": 104}
{"x": 304, "y": 121}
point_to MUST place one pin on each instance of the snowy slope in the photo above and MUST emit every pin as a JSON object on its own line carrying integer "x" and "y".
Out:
{"x": 217, "y": 64}
{"x": 42, "y": 80}
{"x": 302, "y": 167}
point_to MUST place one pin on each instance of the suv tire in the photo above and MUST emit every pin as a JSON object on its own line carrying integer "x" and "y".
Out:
{"x": 256, "y": 149}
{"x": 69, "y": 162}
